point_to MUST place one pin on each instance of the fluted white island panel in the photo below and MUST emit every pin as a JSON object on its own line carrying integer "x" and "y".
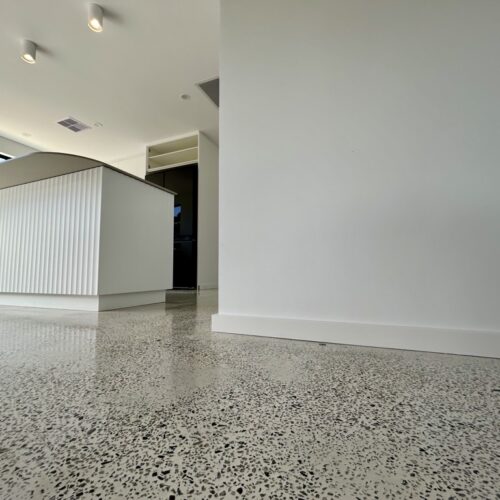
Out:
{"x": 49, "y": 235}
{"x": 92, "y": 239}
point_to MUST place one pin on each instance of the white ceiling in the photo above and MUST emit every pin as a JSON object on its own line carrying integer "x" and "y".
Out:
{"x": 129, "y": 77}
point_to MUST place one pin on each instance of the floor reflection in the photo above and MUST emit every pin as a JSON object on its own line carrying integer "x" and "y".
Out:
{"x": 46, "y": 343}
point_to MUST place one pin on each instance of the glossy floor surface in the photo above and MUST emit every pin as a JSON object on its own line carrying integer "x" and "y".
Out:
{"x": 147, "y": 403}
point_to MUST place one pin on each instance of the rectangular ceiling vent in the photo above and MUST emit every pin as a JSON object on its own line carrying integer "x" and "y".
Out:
{"x": 211, "y": 89}
{"x": 73, "y": 125}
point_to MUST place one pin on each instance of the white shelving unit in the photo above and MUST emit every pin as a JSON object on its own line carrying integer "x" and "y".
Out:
{"x": 173, "y": 153}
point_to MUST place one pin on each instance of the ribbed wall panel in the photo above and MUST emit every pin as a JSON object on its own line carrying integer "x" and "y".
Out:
{"x": 49, "y": 235}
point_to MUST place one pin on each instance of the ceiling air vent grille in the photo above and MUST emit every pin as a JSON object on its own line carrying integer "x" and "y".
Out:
{"x": 73, "y": 125}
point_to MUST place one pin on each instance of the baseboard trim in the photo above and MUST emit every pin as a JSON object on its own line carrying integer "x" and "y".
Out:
{"x": 122, "y": 300}
{"x": 82, "y": 302}
{"x": 42, "y": 301}
{"x": 414, "y": 338}
{"x": 209, "y": 286}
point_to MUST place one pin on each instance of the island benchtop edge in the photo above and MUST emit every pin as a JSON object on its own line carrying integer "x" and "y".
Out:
{"x": 94, "y": 164}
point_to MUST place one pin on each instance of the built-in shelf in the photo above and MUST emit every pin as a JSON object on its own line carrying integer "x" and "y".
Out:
{"x": 172, "y": 153}
{"x": 157, "y": 157}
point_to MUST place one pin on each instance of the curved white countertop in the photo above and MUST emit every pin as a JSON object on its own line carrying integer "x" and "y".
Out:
{"x": 44, "y": 165}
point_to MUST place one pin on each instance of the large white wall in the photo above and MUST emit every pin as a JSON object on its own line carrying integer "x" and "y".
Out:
{"x": 360, "y": 172}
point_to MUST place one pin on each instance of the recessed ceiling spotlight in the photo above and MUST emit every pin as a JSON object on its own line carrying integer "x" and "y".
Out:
{"x": 96, "y": 16}
{"x": 185, "y": 97}
{"x": 28, "y": 51}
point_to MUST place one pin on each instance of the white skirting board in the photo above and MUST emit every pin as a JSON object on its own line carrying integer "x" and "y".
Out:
{"x": 208, "y": 286}
{"x": 119, "y": 301}
{"x": 450, "y": 341}
{"x": 82, "y": 302}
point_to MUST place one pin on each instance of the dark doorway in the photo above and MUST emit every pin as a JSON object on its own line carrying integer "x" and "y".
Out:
{"x": 184, "y": 181}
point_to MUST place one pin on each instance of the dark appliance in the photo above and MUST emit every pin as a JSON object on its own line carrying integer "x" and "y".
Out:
{"x": 184, "y": 181}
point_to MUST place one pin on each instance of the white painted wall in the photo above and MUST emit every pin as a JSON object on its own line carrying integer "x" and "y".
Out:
{"x": 135, "y": 165}
{"x": 14, "y": 148}
{"x": 208, "y": 213}
{"x": 359, "y": 176}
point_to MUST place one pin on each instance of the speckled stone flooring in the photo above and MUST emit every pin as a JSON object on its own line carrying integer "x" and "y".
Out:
{"x": 147, "y": 403}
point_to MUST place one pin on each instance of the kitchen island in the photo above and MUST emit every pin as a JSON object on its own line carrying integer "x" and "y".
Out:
{"x": 76, "y": 233}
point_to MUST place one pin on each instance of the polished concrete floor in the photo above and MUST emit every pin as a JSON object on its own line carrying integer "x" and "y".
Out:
{"x": 147, "y": 403}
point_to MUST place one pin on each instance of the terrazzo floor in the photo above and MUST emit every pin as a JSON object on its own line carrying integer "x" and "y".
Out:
{"x": 147, "y": 403}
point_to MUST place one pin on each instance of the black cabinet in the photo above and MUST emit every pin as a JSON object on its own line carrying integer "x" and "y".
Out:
{"x": 184, "y": 181}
